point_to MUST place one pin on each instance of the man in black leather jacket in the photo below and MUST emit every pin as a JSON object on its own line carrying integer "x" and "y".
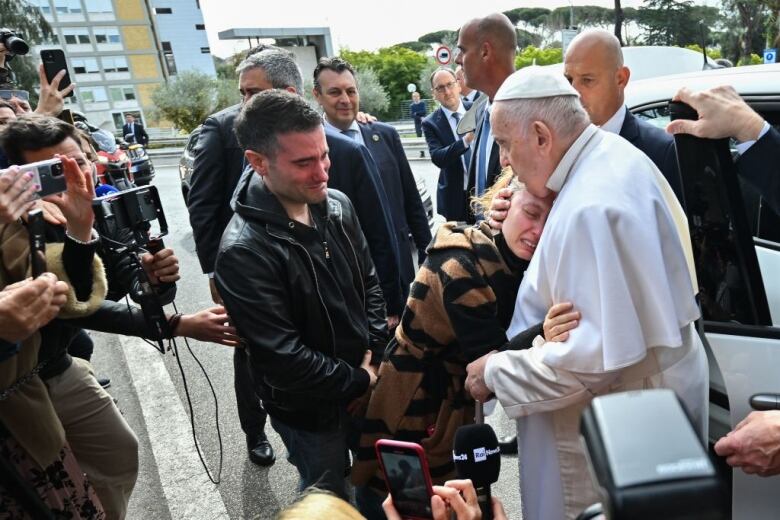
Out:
{"x": 297, "y": 279}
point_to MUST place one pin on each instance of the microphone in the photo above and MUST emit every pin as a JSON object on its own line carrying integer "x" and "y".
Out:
{"x": 477, "y": 457}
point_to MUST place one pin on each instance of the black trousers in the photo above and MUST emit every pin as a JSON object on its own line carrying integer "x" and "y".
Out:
{"x": 251, "y": 414}
{"x": 418, "y": 126}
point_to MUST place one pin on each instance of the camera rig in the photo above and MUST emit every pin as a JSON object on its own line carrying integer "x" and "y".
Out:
{"x": 123, "y": 220}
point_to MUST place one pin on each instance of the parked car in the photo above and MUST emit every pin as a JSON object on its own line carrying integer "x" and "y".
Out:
{"x": 188, "y": 158}
{"x": 736, "y": 239}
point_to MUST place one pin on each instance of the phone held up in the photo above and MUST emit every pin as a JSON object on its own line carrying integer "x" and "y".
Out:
{"x": 53, "y": 62}
{"x": 405, "y": 469}
{"x": 48, "y": 175}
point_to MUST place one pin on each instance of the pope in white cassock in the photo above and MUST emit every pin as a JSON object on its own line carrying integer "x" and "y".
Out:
{"x": 616, "y": 244}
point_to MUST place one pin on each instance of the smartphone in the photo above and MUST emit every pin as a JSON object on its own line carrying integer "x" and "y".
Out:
{"x": 35, "y": 231}
{"x": 53, "y": 62}
{"x": 406, "y": 473}
{"x": 49, "y": 175}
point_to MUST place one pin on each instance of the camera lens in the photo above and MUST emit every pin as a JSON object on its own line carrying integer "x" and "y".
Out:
{"x": 57, "y": 169}
{"x": 16, "y": 45}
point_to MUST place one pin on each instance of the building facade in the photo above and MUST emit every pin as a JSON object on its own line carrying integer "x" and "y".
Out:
{"x": 117, "y": 55}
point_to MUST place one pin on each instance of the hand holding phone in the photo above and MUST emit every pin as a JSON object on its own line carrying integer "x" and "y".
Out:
{"x": 35, "y": 232}
{"x": 405, "y": 469}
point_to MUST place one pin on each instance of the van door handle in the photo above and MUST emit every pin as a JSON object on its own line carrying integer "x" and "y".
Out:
{"x": 765, "y": 401}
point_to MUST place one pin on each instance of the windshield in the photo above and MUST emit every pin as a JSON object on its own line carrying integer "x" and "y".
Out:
{"x": 105, "y": 140}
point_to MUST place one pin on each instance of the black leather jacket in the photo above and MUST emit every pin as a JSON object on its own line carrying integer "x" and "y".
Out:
{"x": 305, "y": 300}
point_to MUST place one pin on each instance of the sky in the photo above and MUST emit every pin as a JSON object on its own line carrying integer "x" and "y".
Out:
{"x": 360, "y": 25}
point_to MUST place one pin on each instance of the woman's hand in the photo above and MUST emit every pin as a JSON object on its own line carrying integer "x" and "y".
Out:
{"x": 212, "y": 324}
{"x": 456, "y": 497}
{"x": 17, "y": 194}
{"x": 76, "y": 201}
{"x": 162, "y": 267}
{"x": 560, "y": 319}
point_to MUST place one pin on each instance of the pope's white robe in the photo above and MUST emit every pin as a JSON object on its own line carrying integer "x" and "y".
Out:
{"x": 615, "y": 244}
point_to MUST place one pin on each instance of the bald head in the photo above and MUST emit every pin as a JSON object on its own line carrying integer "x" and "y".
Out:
{"x": 486, "y": 51}
{"x": 594, "y": 66}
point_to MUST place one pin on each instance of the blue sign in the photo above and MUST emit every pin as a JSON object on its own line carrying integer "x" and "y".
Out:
{"x": 770, "y": 55}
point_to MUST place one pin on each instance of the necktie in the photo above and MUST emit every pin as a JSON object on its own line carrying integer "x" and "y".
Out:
{"x": 351, "y": 133}
{"x": 467, "y": 153}
{"x": 482, "y": 154}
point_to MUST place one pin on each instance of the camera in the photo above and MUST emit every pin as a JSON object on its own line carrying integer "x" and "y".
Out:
{"x": 124, "y": 220}
{"x": 13, "y": 43}
{"x": 49, "y": 175}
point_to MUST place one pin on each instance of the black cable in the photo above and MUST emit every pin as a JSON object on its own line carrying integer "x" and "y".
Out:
{"x": 127, "y": 302}
{"x": 189, "y": 404}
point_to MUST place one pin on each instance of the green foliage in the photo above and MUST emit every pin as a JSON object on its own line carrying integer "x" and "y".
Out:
{"x": 715, "y": 54}
{"x": 438, "y": 36}
{"x": 395, "y": 67}
{"x": 373, "y": 98}
{"x": 526, "y": 38}
{"x": 415, "y": 46}
{"x": 190, "y": 97}
{"x": 532, "y": 55}
{"x": 530, "y": 16}
{"x": 424, "y": 83}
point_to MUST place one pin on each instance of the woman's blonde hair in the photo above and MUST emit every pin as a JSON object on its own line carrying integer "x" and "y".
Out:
{"x": 506, "y": 179}
{"x": 317, "y": 504}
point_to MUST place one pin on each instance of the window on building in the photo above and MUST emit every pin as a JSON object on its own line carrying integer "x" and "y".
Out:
{"x": 122, "y": 93}
{"x": 99, "y": 6}
{"x": 163, "y": 10}
{"x": 115, "y": 64}
{"x": 106, "y": 35}
{"x": 85, "y": 65}
{"x": 93, "y": 94}
{"x": 170, "y": 63}
{"x": 76, "y": 35}
{"x": 43, "y": 5}
{"x": 200, "y": 27}
{"x": 67, "y": 6}
{"x": 205, "y": 50}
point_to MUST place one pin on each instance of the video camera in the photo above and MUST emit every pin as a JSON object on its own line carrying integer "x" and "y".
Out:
{"x": 13, "y": 43}
{"x": 124, "y": 221}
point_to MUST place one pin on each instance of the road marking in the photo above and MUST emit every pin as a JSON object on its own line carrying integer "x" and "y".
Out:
{"x": 189, "y": 492}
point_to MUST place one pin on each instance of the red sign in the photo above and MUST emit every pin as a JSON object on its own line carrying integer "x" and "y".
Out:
{"x": 443, "y": 55}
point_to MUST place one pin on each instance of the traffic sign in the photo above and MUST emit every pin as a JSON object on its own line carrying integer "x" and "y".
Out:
{"x": 770, "y": 55}
{"x": 443, "y": 55}
{"x": 411, "y": 87}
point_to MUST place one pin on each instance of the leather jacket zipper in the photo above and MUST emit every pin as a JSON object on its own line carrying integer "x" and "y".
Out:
{"x": 316, "y": 286}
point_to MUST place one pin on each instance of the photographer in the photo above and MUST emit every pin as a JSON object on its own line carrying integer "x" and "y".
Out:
{"x": 103, "y": 443}
{"x": 39, "y": 470}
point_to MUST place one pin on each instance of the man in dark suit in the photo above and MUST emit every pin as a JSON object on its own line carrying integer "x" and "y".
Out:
{"x": 417, "y": 109}
{"x": 594, "y": 66}
{"x": 335, "y": 89}
{"x": 449, "y": 151}
{"x": 136, "y": 129}
{"x": 486, "y": 51}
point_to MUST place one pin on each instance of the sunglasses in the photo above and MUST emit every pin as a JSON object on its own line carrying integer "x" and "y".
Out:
{"x": 19, "y": 94}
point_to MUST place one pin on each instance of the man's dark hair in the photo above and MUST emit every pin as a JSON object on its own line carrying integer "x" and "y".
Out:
{"x": 443, "y": 69}
{"x": 32, "y": 132}
{"x": 272, "y": 113}
{"x": 337, "y": 65}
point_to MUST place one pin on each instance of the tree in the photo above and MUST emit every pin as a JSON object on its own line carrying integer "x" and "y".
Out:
{"x": 395, "y": 67}
{"x": 534, "y": 56}
{"x": 665, "y": 21}
{"x": 415, "y": 46}
{"x": 438, "y": 36}
{"x": 750, "y": 14}
{"x": 619, "y": 18}
{"x": 27, "y": 21}
{"x": 373, "y": 98}
{"x": 190, "y": 97}
{"x": 772, "y": 24}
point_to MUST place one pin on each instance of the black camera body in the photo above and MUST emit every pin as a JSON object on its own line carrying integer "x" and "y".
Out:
{"x": 13, "y": 43}
{"x": 130, "y": 213}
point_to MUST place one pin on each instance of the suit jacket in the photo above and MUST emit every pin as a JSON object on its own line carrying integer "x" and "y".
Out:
{"x": 217, "y": 167}
{"x": 447, "y": 151}
{"x": 658, "y": 145}
{"x": 406, "y": 208}
{"x": 759, "y": 165}
{"x": 493, "y": 164}
{"x": 139, "y": 133}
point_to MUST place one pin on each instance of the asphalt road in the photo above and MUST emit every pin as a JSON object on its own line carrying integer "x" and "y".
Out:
{"x": 150, "y": 389}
